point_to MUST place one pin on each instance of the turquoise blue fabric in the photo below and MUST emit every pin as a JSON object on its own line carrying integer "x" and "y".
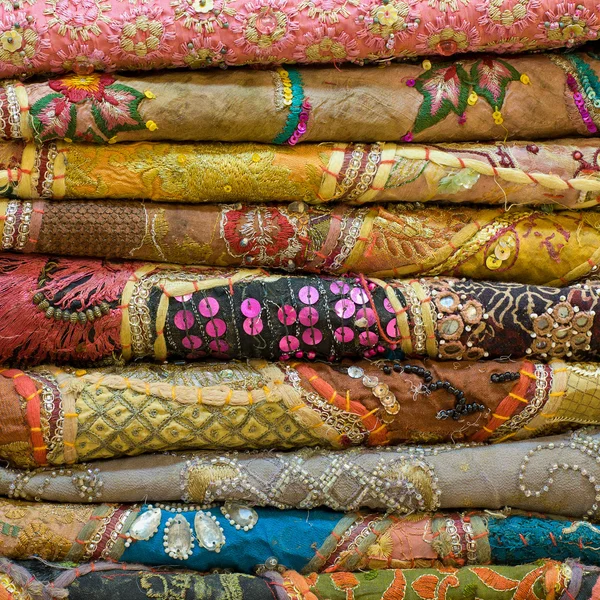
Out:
{"x": 517, "y": 540}
{"x": 292, "y": 536}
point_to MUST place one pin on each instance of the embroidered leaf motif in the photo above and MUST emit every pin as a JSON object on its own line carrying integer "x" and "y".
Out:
{"x": 494, "y": 580}
{"x": 490, "y": 78}
{"x": 445, "y": 89}
{"x": 453, "y": 183}
{"x": 525, "y": 590}
{"x": 54, "y": 117}
{"x": 426, "y": 586}
{"x": 344, "y": 581}
{"x": 119, "y": 110}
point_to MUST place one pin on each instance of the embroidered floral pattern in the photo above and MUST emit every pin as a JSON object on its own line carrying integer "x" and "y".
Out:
{"x": 569, "y": 24}
{"x": 499, "y": 17}
{"x": 203, "y": 52}
{"x": 328, "y": 11}
{"x": 78, "y": 18}
{"x": 110, "y": 107}
{"x": 448, "y": 35}
{"x": 22, "y": 45}
{"x": 444, "y": 5}
{"x": 265, "y": 26}
{"x": 141, "y": 36}
{"x": 80, "y": 58}
{"x": 202, "y": 15}
{"x": 387, "y": 22}
{"x": 325, "y": 45}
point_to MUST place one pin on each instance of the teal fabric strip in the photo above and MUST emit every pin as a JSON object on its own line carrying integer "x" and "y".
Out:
{"x": 295, "y": 108}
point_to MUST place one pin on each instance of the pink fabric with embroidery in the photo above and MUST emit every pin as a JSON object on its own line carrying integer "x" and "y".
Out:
{"x": 83, "y": 35}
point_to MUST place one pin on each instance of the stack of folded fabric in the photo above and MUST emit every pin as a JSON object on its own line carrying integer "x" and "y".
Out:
{"x": 298, "y": 331}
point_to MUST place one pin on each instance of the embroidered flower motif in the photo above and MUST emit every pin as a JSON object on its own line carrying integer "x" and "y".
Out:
{"x": 325, "y": 44}
{"x": 203, "y": 14}
{"x": 387, "y": 21}
{"x": 79, "y": 58}
{"x": 448, "y": 35}
{"x": 88, "y": 108}
{"x": 498, "y": 15}
{"x": 141, "y": 36}
{"x": 510, "y": 44}
{"x": 444, "y": 5}
{"x": 203, "y": 52}
{"x": 10, "y": 4}
{"x": 327, "y": 11}
{"x": 569, "y": 24}
{"x": 78, "y": 18}
{"x": 266, "y": 26}
{"x": 22, "y": 46}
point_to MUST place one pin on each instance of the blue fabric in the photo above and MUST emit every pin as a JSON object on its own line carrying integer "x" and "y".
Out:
{"x": 543, "y": 538}
{"x": 292, "y": 536}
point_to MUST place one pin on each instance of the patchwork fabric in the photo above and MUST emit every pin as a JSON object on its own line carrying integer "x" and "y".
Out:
{"x": 103, "y": 580}
{"x": 39, "y": 36}
{"x": 563, "y": 172}
{"x": 307, "y": 541}
{"x": 79, "y": 310}
{"x": 536, "y": 475}
{"x": 111, "y": 412}
{"x": 397, "y": 240}
{"x": 395, "y": 103}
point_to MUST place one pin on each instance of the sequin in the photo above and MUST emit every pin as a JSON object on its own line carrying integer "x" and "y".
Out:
{"x": 219, "y": 346}
{"x": 191, "y": 342}
{"x": 253, "y": 326}
{"x": 184, "y": 319}
{"x": 216, "y": 328}
{"x": 359, "y": 296}
{"x": 208, "y": 307}
{"x": 287, "y": 315}
{"x": 308, "y": 294}
{"x": 312, "y": 337}
{"x": 367, "y": 314}
{"x": 345, "y": 308}
{"x": 344, "y": 335}
{"x": 339, "y": 287}
{"x": 250, "y": 307}
{"x": 308, "y": 316}
{"x": 392, "y": 329}
{"x": 289, "y": 343}
{"x": 368, "y": 338}
{"x": 185, "y": 298}
{"x": 388, "y": 306}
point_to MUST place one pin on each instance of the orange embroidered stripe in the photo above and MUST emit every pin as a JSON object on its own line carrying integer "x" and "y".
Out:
{"x": 488, "y": 430}
{"x": 70, "y": 444}
{"x": 297, "y": 407}
{"x": 35, "y": 429}
{"x": 199, "y": 395}
{"x": 313, "y": 378}
{"x": 70, "y": 415}
{"x": 250, "y": 399}
{"x": 519, "y": 398}
{"x": 372, "y": 412}
{"x": 228, "y": 397}
{"x": 501, "y": 417}
{"x": 333, "y": 396}
{"x": 528, "y": 374}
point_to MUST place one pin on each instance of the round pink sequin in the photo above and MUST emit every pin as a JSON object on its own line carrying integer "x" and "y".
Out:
{"x": 392, "y": 329}
{"x": 359, "y": 296}
{"x": 218, "y": 346}
{"x": 339, "y": 287}
{"x": 308, "y": 316}
{"x": 344, "y": 335}
{"x": 250, "y": 307}
{"x": 388, "y": 306}
{"x": 368, "y": 314}
{"x": 368, "y": 338}
{"x": 312, "y": 337}
{"x": 185, "y": 298}
{"x": 253, "y": 326}
{"x": 208, "y": 307}
{"x": 184, "y": 319}
{"x": 308, "y": 294}
{"x": 289, "y": 343}
{"x": 191, "y": 342}
{"x": 287, "y": 315}
{"x": 345, "y": 308}
{"x": 216, "y": 328}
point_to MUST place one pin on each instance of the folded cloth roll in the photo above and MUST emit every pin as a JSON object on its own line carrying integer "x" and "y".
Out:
{"x": 397, "y": 240}
{"x": 241, "y": 538}
{"x": 535, "y": 475}
{"x": 564, "y": 172}
{"x": 61, "y": 310}
{"x": 54, "y": 35}
{"x": 64, "y": 416}
{"x": 535, "y": 96}
{"x": 34, "y": 580}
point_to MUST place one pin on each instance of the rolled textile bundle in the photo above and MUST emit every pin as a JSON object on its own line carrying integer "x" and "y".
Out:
{"x": 63, "y": 416}
{"x": 54, "y": 35}
{"x": 240, "y": 537}
{"x": 536, "y": 475}
{"x": 396, "y": 240}
{"x": 563, "y": 172}
{"x": 66, "y": 310}
{"x": 353, "y": 104}
{"x": 35, "y": 580}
